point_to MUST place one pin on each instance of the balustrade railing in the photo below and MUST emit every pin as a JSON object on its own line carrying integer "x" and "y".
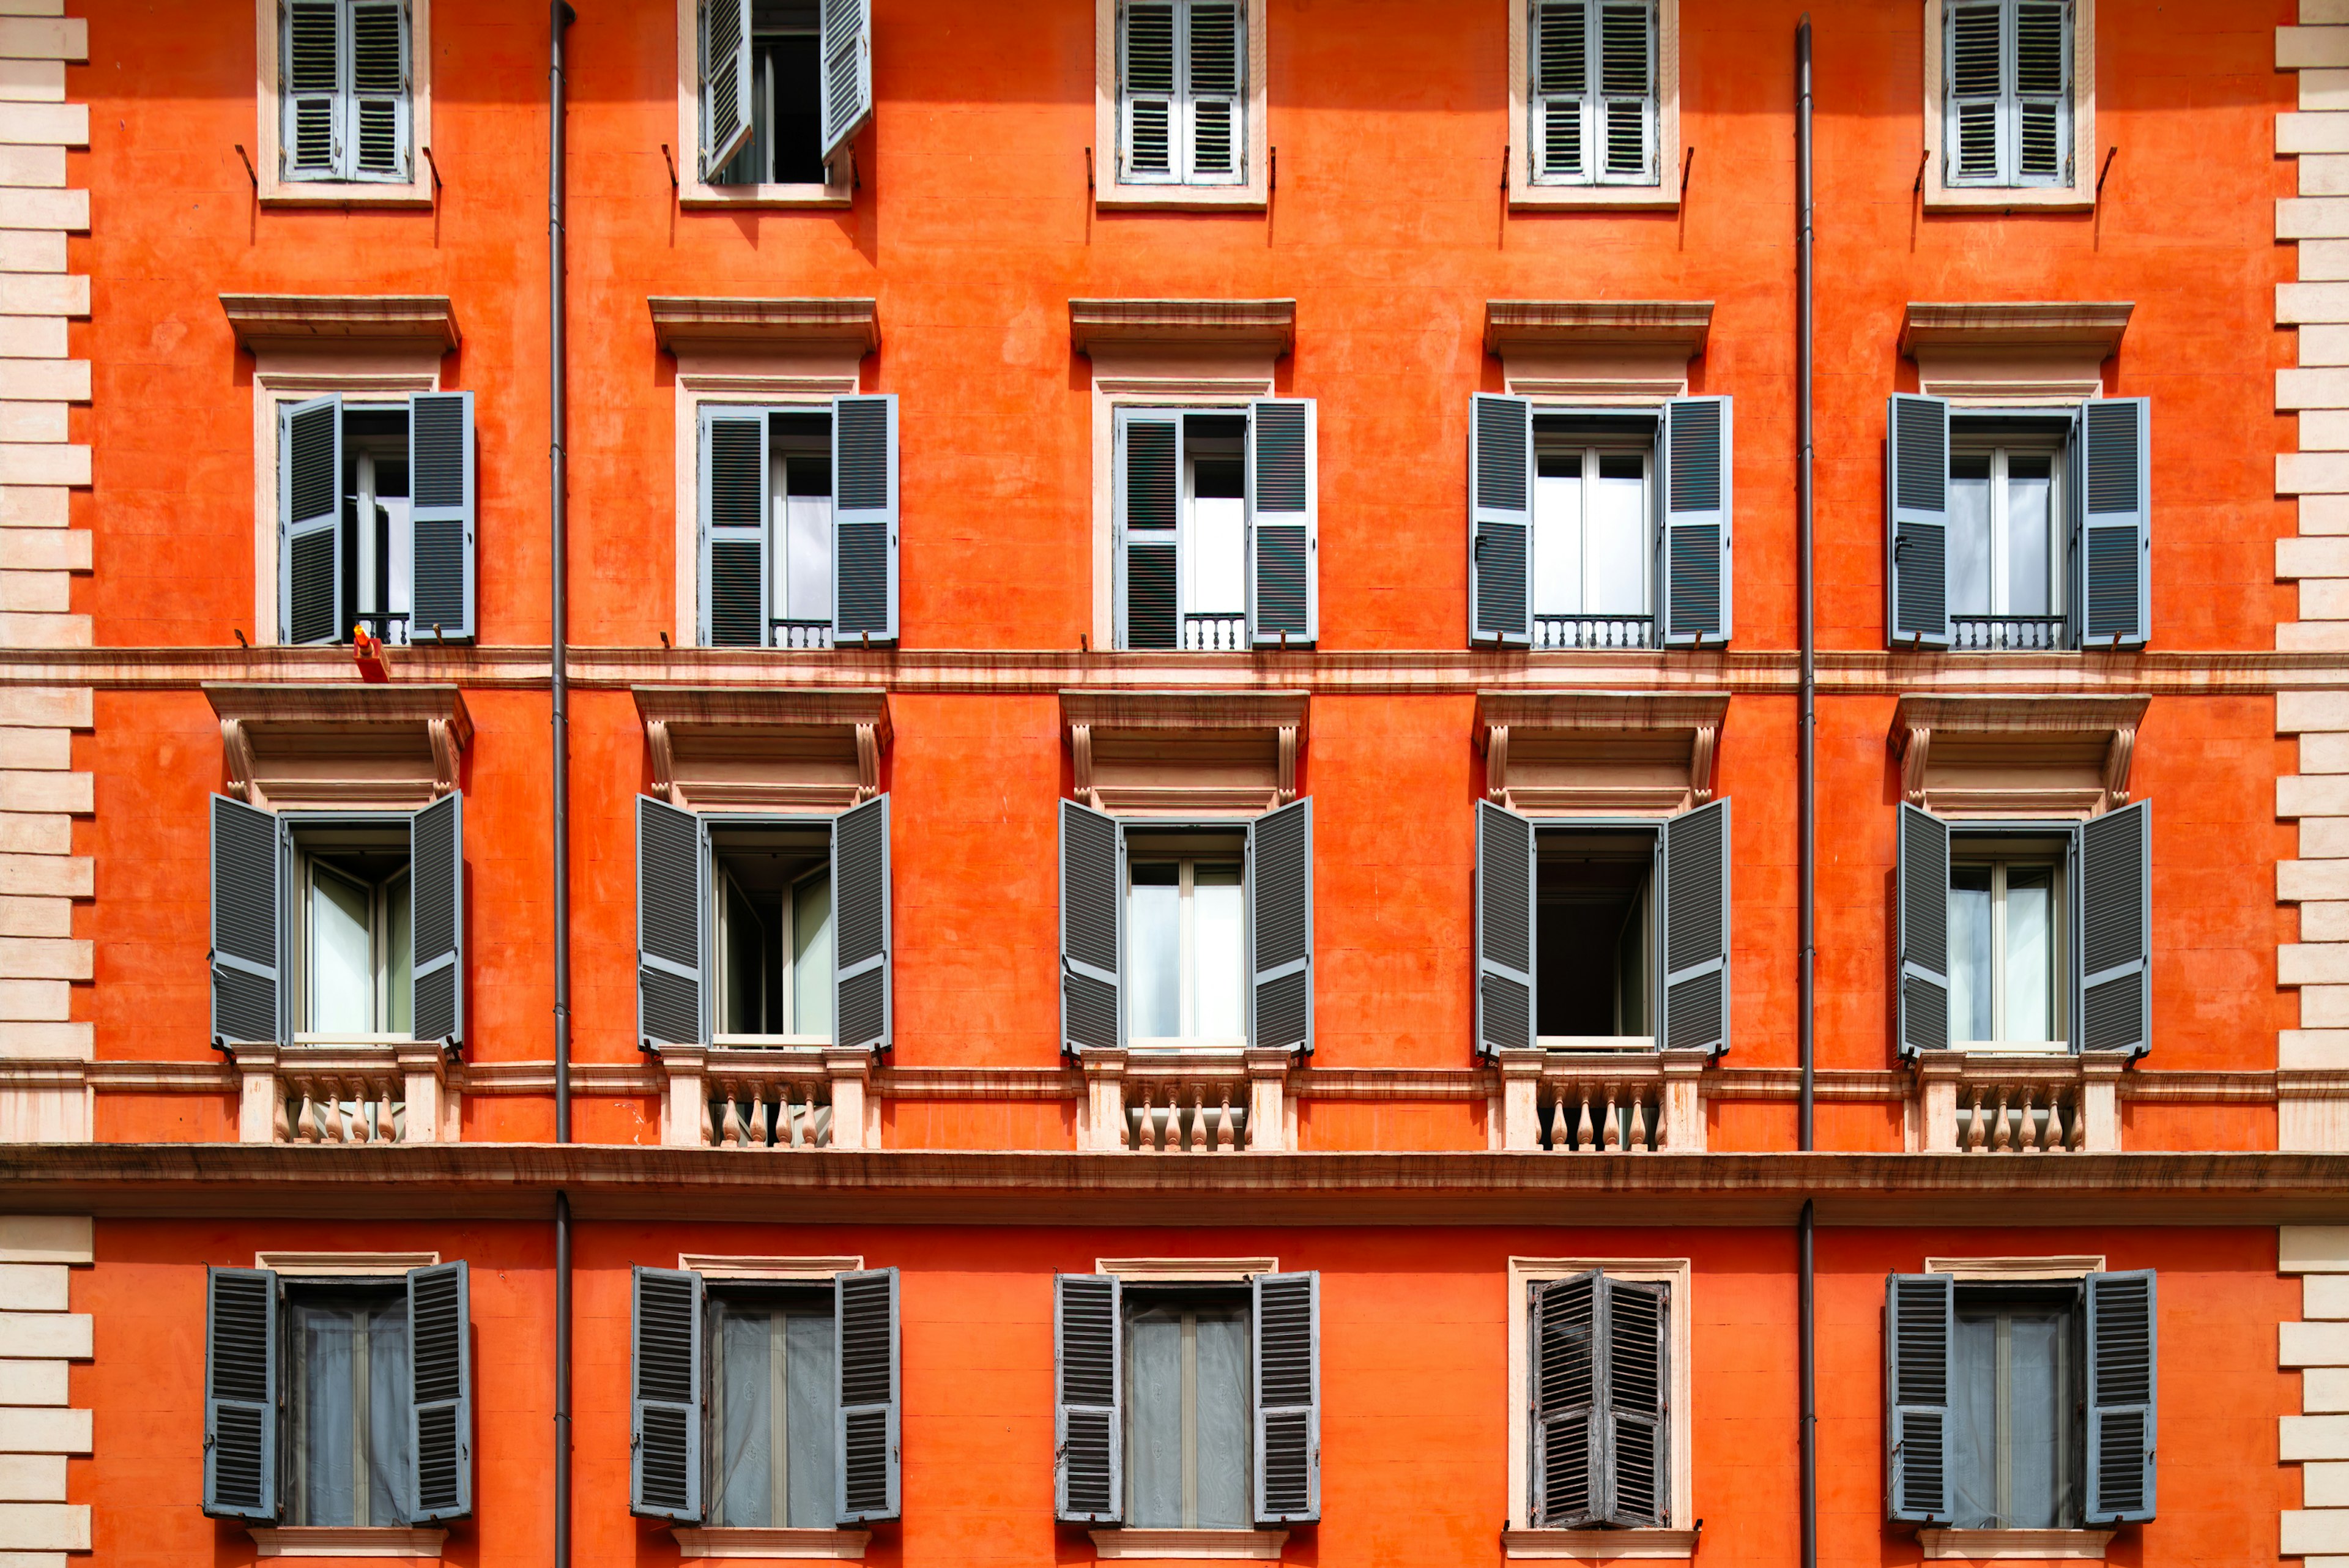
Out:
{"x": 2007, "y": 633}
{"x": 801, "y": 633}
{"x": 1215, "y": 633}
{"x": 1188, "y": 1117}
{"x": 761, "y": 1112}
{"x": 342, "y": 1107}
{"x": 2023, "y": 1119}
{"x": 1607, "y": 1116}
{"x": 1594, "y": 631}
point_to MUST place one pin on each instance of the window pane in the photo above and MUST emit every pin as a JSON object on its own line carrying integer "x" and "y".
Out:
{"x": 746, "y": 1402}
{"x": 1219, "y": 1008}
{"x": 2033, "y": 1432}
{"x": 813, "y": 1401}
{"x": 1153, "y": 1420}
{"x": 2030, "y": 521}
{"x": 399, "y": 937}
{"x": 1970, "y": 955}
{"x": 1154, "y": 953}
{"x": 349, "y": 1462}
{"x": 2029, "y": 962}
{"x": 1968, "y": 541}
{"x": 1615, "y": 579}
{"x": 1216, "y": 564}
{"x": 806, "y": 565}
{"x": 1973, "y": 1448}
{"x": 812, "y": 956}
{"x": 342, "y": 953}
{"x": 1557, "y": 537}
{"x": 1226, "y": 1435}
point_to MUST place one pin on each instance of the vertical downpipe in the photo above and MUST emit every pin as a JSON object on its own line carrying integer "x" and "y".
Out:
{"x": 560, "y": 17}
{"x": 1807, "y": 809}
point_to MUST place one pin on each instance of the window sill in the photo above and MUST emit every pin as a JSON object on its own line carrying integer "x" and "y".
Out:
{"x": 1601, "y": 1545}
{"x": 1214, "y": 1545}
{"x": 346, "y": 1541}
{"x": 701, "y": 197}
{"x": 2015, "y": 1545}
{"x": 1614, "y": 1044}
{"x": 2008, "y": 198}
{"x": 698, "y": 1542}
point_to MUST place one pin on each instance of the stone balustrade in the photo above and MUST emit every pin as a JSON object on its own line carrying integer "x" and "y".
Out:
{"x": 351, "y": 1090}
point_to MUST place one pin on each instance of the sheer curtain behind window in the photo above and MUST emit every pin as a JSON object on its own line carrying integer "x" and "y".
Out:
{"x": 349, "y": 1463}
{"x": 2012, "y": 1452}
{"x": 775, "y": 1399}
{"x": 1187, "y": 1426}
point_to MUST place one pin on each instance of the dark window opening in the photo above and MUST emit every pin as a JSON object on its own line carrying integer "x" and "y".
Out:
{"x": 786, "y": 145}
{"x": 376, "y": 535}
{"x": 1592, "y": 947}
{"x": 772, "y": 888}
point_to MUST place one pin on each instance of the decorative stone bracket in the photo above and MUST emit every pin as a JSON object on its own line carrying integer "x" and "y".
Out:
{"x": 1592, "y": 752}
{"x": 1184, "y": 751}
{"x": 1993, "y": 756}
{"x": 764, "y": 747}
{"x": 389, "y": 746}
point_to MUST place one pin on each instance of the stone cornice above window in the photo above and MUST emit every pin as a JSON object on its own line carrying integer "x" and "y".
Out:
{"x": 385, "y": 747}
{"x": 1185, "y": 752}
{"x": 765, "y": 324}
{"x": 1597, "y": 350}
{"x": 2015, "y": 756}
{"x": 2011, "y": 354}
{"x": 264, "y": 322}
{"x": 1253, "y": 325}
{"x": 1590, "y": 753}
{"x": 768, "y": 748}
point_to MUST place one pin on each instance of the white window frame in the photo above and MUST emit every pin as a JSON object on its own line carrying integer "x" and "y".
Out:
{"x": 2002, "y": 564}
{"x": 308, "y": 866}
{"x": 716, "y": 879}
{"x": 1252, "y": 191}
{"x": 837, "y": 190}
{"x": 1980, "y": 850}
{"x": 269, "y": 137}
{"x": 1185, "y": 969}
{"x": 1591, "y": 450}
{"x": 2078, "y": 192}
{"x": 1663, "y": 192}
{"x": 811, "y": 391}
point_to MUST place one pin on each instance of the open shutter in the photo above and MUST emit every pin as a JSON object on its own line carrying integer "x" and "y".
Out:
{"x": 441, "y": 510}
{"x": 1149, "y": 516}
{"x": 1626, "y": 88}
{"x": 1916, "y": 520}
{"x": 1920, "y": 1344}
{"x": 1636, "y": 1409}
{"x": 1501, "y": 516}
{"x": 1696, "y": 931}
{"x": 1972, "y": 124}
{"x": 1089, "y": 1399}
{"x": 2042, "y": 93}
{"x": 1212, "y": 100}
{"x": 1092, "y": 905}
{"x": 2123, "y": 1374}
{"x": 2117, "y": 543}
{"x": 665, "y": 1396}
{"x": 1568, "y": 1453}
{"x": 240, "y": 1394}
{"x": 865, "y": 518}
{"x": 436, "y": 841}
{"x": 1147, "y": 103}
{"x": 1281, "y": 928}
{"x": 309, "y": 91}
{"x": 1504, "y": 929}
{"x": 847, "y": 44}
{"x": 864, "y": 1320}
{"x": 734, "y": 528}
{"x": 440, "y": 1373}
{"x": 860, "y": 903}
{"x": 1284, "y": 600}
{"x": 377, "y": 133}
{"x": 248, "y": 879}
{"x": 1695, "y": 607}
{"x": 727, "y": 82}
{"x": 2115, "y": 930}
{"x": 1924, "y": 932}
{"x": 670, "y": 902}
{"x": 309, "y": 521}
{"x": 1287, "y": 1368}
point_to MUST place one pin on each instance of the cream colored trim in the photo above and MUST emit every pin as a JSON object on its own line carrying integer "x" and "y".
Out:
{"x": 2080, "y": 195}
{"x": 1600, "y": 1545}
{"x": 2041, "y": 353}
{"x": 693, "y": 192}
{"x": 67, "y": 1239}
{"x": 715, "y": 1266}
{"x": 1677, "y": 1273}
{"x": 2014, "y": 1270}
{"x": 1108, "y": 192}
{"x": 345, "y": 1541}
{"x": 696, "y": 1544}
{"x": 1186, "y": 1271}
{"x": 1189, "y": 1545}
{"x": 1665, "y": 194}
{"x": 279, "y": 193}
{"x": 2015, "y": 1545}
{"x": 344, "y": 1265}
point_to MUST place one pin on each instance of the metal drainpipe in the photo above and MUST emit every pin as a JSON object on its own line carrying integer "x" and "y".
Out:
{"x": 559, "y": 18}
{"x": 1808, "y": 810}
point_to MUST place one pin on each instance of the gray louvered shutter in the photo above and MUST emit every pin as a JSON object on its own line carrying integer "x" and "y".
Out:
{"x": 2116, "y": 539}
{"x": 1919, "y": 1369}
{"x": 1916, "y": 520}
{"x": 441, "y": 1380}
{"x": 1924, "y": 897}
{"x": 1568, "y": 1452}
{"x": 309, "y": 91}
{"x": 1504, "y": 929}
{"x": 1149, "y": 506}
{"x": 671, "y": 897}
{"x": 376, "y": 134}
{"x": 1560, "y": 67}
{"x": 441, "y": 490}
{"x": 734, "y": 588}
{"x": 1627, "y": 93}
{"x": 1500, "y": 518}
{"x": 1288, "y": 1368}
{"x": 1972, "y": 127}
{"x": 248, "y": 880}
{"x": 2042, "y": 93}
{"x": 1637, "y": 1407}
{"x": 860, "y": 923}
{"x": 1089, "y": 1399}
{"x": 1092, "y": 911}
{"x": 309, "y": 521}
{"x": 1284, "y": 598}
{"x": 2116, "y": 930}
{"x": 1695, "y": 608}
{"x": 864, "y": 1324}
{"x": 848, "y": 46}
{"x": 240, "y": 1394}
{"x": 864, "y": 519}
{"x": 2123, "y": 1380}
{"x": 1696, "y": 859}
{"x": 1148, "y": 103}
{"x": 436, "y": 856}
{"x": 1214, "y": 49}
{"x": 727, "y": 82}
{"x": 1281, "y": 928}
{"x": 665, "y": 1395}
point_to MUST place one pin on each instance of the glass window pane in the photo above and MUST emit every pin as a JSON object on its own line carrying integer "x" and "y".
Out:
{"x": 1557, "y": 537}
{"x": 400, "y": 939}
{"x": 1218, "y": 923}
{"x": 2035, "y": 1425}
{"x": 812, "y": 956}
{"x": 807, "y": 553}
{"x": 1153, "y": 1420}
{"x": 812, "y": 1403}
{"x": 1226, "y": 1434}
{"x": 2029, "y": 525}
{"x": 1615, "y": 574}
{"x": 2029, "y": 962}
{"x": 342, "y": 956}
{"x": 349, "y": 1463}
{"x": 1970, "y": 954}
{"x": 1154, "y": 953}
{"x": 1969, "y": 540}
{"x": 746, "y": 1423}
{"x": 1216, "y": 562}
{"x": 1973, "y": 1411}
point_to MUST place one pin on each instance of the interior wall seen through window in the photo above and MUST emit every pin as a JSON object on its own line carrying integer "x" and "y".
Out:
{"x": 774, "y": 1400}
{"x": 2005, "y": 947}
{"x": 357, "y": 930}
{"x": 1593, "y": 933}
{"x": 1188, "y": 1427}
{"x": 347, "y": 1459}
{"x": 773, "y": 887}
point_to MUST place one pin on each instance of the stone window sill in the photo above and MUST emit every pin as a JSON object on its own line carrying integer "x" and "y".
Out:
{"x": 348, "y": 1540}
{"x": 2015, "y": 1545}
{"x": 699, "y": 197}
{"x": 1190, "y": 1546}
{"x": 700, "y": 1544}
{"x": 1657, "y": 197}
{"x": 415, "y": 197}
{"x": 1601, "y": 1545}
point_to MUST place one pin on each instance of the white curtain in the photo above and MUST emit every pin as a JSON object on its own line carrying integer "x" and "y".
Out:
{"x": 1188, "y": 1433}
{"x": 349, "y": 1462}
{"x": 777, "y": 1407}
{"x": 2012, "y": 1445}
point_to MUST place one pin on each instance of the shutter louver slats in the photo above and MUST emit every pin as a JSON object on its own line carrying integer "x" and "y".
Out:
{"x": 1281, "y": 928}
{"x": 1092, "y": 906}
{"x": 864, "y": 1319}
{"x": 240, "y": 1394}
{"x": 1975, "y": 80}
{"x": 1147, "y": 82}
{"x": 1505, "y": 930}
{"x": 441, "y": 1381}
{"x": 2115, "y": 866}
{"x": 1212, "y": 58}
{"x": 311, "y": 61}
{"x": 1916, "y": 522}
{"x": 1696, "y": 929}
{"x": 1287, "y": 1368}
{"x": 734, "y": 481}
{"x": 860, "y": 895}
{"x": 1924, "y": 898}
{"x": 1919, "y": 1340}
{"x": 436, "y": 837}
{"x": 1149, "y": 508}
{"x": 2116, "y": 517}
{"x": 1282, "y": 593}
{"x": 1561, "y": 80}
{"x": 1636, "y": 1408}
{"x": 669, "y": 906}
{"x": 1500, "y": 519}
{"x": 846, "y": 41}
{"x": 726, "y": 82}
{"x": 309, "y": 521}
{"x": 1568, "y": 1452}
{"x": 864, "y": 519}
{"x": 1089, "y": 1419}
{"x": 2040, "y": 89}
{"x": 379, "y": 80}
{"x": 2122, "y": 1378}
{"x": 1698, "y": 543}
{"x": 440, "y": 511}
{"x": 665, "y": 1395}
{"x": 1626, "y": 81}
{"x": 247, "y": 882}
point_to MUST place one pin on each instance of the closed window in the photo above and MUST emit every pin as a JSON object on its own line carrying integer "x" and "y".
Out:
{"x": 2006, "y": 945}
{"x": 1188, "y": 1415}
{"x": 773, "y": 1400}
{"x": 345, "y": 93}
{"x": 1215, "y": 543}
{"x": 1593, "y": 92}
{"x": 1594, "y": 545}
{"x": 347, "y": 1364}
{"x": 2007, "y": 105}
{"x": 1182, "y": 92}
{"x": 2014, "y": 1429}
{"x": 799, "y": 524}
{"x": 1186, "y": 950}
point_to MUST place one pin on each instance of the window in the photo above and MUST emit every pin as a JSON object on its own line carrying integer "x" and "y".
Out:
{"x": 1592, "y": 545}
{"x": 773, "y": 1399}
{"x": 1593, "y": 92}
{"x": 348, "y": 1360}
{"x": 344, "y": 95}
{"x": 1185, "y": 928}
{"x": 2007, "y": 107}
{"x": 1216, "y": 535}
{"x": 784, "y": 86}
{"x": 1186, "y": 1418}
{"x": 773, "y": 914}
{"x": 799, "y": 524}
{"x": 1600, "y": 1435}
{"x": 356, "y": 924}
{"x": 374, "y": 518}
{"x": 2006, "y": 563}
{"x": 786, "y": 141}
{"x": 2014, "y": 1438}
{"x": 2006, "y": 929}
{"x": 1593, "y": 934}
{"x": 1182, "y": 93}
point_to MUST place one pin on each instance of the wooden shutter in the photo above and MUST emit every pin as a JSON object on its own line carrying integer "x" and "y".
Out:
{"x": 440, "y": 489}
{"x": 1924, "y": 879}
{"x": 2041, "y": 53}
{"x": 664, "y": 1372}
{"x": 1636, "y": 1409}
{"x": 1501, "y": 517}
{"x": 671, "y": 900}
{"x": 248, "y": 880}
{"x": 1696, "y": 855}
{"x": 1149, "y": 505}
{"x": 1919, "y": 1368}
{"x": 440, "y": 1377}
{"x": 734, "y": 588}
{"x": 1288, "y": 1368}
{"x": 1568, "y": 1451}
{"x": 1627, "y": 93}
{"x": 2117, "y": 541}
{"x": 1092, "y": 949}
{"x": 860, "y": 923}
{"x": 240, "y": 1394}
{"x": 848, "y": 46}
{"x": 1214, "y": 112}
{"x": 1695, "y": 470}
{"x": 1504, "y": 929}
{"x": 436, "y": 858}
{"x": 2114, "y": 929}
{"x": 864, "y": 1324}
{"x": 1916, "y": 520}
{"x": 727, "y": 82}
{"x": 2123, "y": 1375}
{"x": 1281, "y": 928}
{"x": 864, "y": 519}
{"x": 1561, "y": 83}
{"x": 1284, "y": 600}
{"x": 1974, "y": 125}
{"x": 310, "y": 91}
{"x": 377, "y": 133}
{"x": 1089, "y": 1399}
{"x": 1148, "y": 102}
{"x": 310, "y": 521}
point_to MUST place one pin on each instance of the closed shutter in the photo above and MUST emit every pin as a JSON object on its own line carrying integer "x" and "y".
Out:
{"x": 864, "y": 1320}
{"x": 1287, "y": 1366}
{"x": 440, "y": 1373}
{"x": 1696, "y": 931}
{"x": 248, "y": 880}
{"x": 1973, "y": 124}
{"x": 1505, "y": 930}
{"x": 1637, "y": 1406}
{"x": 1568, "y": 1450}
{"x": 1695, "y": 610}
{"x": 309, "y": 91}
{"x": 377, "y": 132}
{"x": 1501, "y": 517}
{"x": 1092, "y": 906}
{"x": 1284, "y": 598}
{"x": 670, "y": 901}
{"x": 2042, "y": 93}
{"x": 1281, "y": 928}
{"x": 864, "y": 519}
{"x": 1212, "y": 51}
{"x": 1149, "y": 106}
{"x": 436, "y": 849}
{"x": 1916, "y": 520}
{"x": 734, "y": 590}
{"x": 240, "y": 1394}
{"x": 859, "y": 902}
{"x": 664, "y": 1375}
{"x": 1919, "y": 1347}
{"x": 1089, "y": 1399}
{"x": 1149, "y": 503}
{"x": 309, "y": 521}
{"x": 2116, "y": 542}
{"x": 847, "y": 44}
{"x": 1924, "y": 881}
{"x": 2123, "y": 1377}
{"x": 1561, "y": 84}
{"x": 727, "y": 82}
{"x": 1627, "y": 93}
{"x": 2116, "y": 930}
{"x": 440, "y": 512}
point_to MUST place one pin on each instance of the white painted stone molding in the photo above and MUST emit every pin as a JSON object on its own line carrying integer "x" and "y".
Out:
{"x": 40, "y": 1339}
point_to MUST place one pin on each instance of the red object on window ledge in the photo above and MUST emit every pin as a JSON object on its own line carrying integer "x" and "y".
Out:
{"x": 369, "y": 650}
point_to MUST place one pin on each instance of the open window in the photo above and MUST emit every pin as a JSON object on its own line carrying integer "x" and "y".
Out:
{"x": 784, "y": 86}
{"x": 1216, "y": 541}
{"x": 799, "y": 524}
{"x": 376, "y": 518}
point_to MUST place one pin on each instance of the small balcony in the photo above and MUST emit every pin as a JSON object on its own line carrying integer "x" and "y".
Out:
{"x": 2008, "y": 634}
{"x": 1215, "y": 633}
{"x": 1152, "y": 1101}
{"x": 786, "y": 1099}
{"x": 1981, "y": 1102}
{"x": 805, "y": 634}
{"x": 1620, "y": 1102}
{"x": 345, "y": 1090}
{"x": 1602, "y": 631}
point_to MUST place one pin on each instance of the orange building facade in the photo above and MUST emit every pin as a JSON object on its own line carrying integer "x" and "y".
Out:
{"x": 1068, "y": 1023}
